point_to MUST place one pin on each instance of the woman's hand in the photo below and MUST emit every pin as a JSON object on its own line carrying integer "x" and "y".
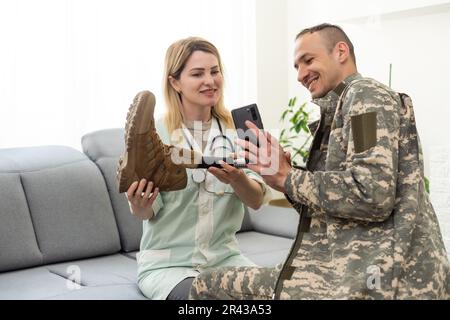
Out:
{"x": 141, "y": 201}
{"x": 228, "y": 174}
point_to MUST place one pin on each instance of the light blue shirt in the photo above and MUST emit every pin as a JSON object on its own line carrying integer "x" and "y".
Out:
{"x": 192, "y": 230}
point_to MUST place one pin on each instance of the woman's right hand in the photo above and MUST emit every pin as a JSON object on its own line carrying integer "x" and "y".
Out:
{"x": 141, "y": 201}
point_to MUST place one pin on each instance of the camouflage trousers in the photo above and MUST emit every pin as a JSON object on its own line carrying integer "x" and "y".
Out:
{"x": 235, "y": 283}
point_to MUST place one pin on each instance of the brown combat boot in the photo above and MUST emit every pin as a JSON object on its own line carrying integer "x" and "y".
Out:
{"x": 146, "y": 157}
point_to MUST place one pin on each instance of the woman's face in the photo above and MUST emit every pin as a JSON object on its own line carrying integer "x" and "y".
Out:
{"x": 200, "y": 82}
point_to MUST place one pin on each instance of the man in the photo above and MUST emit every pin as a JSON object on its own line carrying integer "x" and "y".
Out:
{"x": 368, "y": 228}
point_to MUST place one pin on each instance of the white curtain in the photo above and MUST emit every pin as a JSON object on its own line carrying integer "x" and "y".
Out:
{"x": 69, "y": 67}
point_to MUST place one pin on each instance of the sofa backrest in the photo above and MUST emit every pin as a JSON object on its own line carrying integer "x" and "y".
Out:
{"x": 54, "y": 206}
{"x": 104, "y": 148}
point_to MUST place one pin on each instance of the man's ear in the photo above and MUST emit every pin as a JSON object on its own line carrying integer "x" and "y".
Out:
{"x": 342, "y": 51}
{"x": 174, "y": 83}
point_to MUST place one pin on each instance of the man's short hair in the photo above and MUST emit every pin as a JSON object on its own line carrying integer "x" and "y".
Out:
{"x": 332, "y": 34}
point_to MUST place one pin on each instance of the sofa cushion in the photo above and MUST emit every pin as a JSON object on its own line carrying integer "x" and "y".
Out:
{"x": 252, "y": 242}
{"x": 102, "y": 271}
{"x": 104, "y": 148}
{"x": 116, "y": 292}
{"x": 275, "y": 220}
{"x": 269, "y": 259}
{"x": 67, "y": 200}
{"x": 131, "y": 254}
{"x": 71, "y": 211}
{"x": 36, "y": 283}
{"x": 246, "y": 222}
{"x": 264, "y": 249}
{"x": 18, "y": 245}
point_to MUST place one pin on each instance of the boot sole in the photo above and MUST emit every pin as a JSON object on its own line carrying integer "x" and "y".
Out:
{"x": 139, "y": 119}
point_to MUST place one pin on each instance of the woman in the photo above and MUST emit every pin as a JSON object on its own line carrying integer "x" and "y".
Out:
{"x": 191, "y": 230}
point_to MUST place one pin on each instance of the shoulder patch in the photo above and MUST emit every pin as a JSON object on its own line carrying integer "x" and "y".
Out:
{"x": 364, "y": 130}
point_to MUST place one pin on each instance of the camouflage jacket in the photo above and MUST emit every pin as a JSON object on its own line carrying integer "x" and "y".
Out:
{"x": 373, "y": 233}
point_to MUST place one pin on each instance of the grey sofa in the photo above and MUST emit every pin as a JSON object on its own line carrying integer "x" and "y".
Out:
{"x": 62, "y": 222}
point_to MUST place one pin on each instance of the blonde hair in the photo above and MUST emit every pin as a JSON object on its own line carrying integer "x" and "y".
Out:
{"x": 176, "y": 58}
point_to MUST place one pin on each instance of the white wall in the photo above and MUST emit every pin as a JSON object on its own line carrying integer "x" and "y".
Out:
{"x": 415, "y": 37}
{"x": 271, "y": 47}
{"x": 304, "y": 13}
{"x": 362, "y": 20}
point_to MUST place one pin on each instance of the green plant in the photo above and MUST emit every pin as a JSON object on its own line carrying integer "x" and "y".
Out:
{"x": 297, "y": 117}
{"x": 427, "y": 185}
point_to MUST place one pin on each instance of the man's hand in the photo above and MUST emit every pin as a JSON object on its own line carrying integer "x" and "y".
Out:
{"x": 269, "y": 160}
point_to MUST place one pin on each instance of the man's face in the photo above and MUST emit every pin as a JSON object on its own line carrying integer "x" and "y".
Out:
{"x": 318, "y": 69}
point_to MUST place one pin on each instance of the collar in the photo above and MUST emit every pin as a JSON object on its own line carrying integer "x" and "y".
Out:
{"x": 327, "y": 106}
{"x": 341, "y": 86}
{"x": 329, "y": 102}
{"x": 190, "y": 124}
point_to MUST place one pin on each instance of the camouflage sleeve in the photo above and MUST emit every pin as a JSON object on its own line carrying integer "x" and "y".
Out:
{"x": 364, "y": 189}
